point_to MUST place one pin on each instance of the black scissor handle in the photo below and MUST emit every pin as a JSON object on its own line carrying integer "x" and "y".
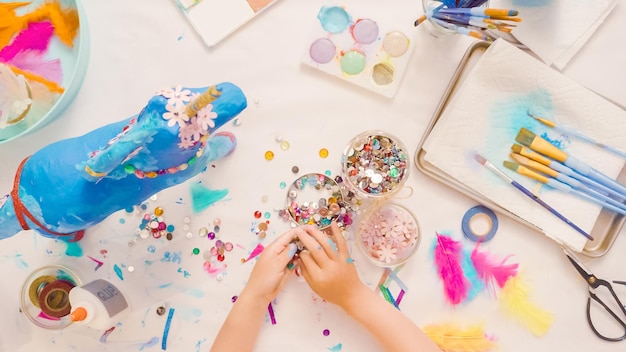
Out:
{"x": 609, "y": 310}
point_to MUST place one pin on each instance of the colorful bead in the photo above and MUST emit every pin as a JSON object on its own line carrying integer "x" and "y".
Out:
{"x": 269, "y": 155}
{"x": 323, "y": 153}
{"x": 257, "y": 214}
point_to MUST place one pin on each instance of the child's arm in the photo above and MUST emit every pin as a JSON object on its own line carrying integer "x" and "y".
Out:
{"x": 241, "y": 328}
{"x": 331, "y": 273}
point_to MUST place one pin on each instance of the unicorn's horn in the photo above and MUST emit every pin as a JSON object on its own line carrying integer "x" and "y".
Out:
{"x": 203, "y": 100}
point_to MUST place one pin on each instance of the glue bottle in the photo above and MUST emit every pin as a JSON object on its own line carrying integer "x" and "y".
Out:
{"x": 98, "y": 304}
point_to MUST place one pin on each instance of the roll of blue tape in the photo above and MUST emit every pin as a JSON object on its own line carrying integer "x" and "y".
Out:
{"x": 475, "y": 213}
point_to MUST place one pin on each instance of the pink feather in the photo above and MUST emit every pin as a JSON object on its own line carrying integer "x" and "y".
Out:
{"x": 35, "y": 37}
{"x": 491, "y": 269}
{"x": 447, "y": 254}
{"x": 33, "y": 61}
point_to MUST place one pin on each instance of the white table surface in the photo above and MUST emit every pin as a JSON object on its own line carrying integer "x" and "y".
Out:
{"x": 140, "y": 46}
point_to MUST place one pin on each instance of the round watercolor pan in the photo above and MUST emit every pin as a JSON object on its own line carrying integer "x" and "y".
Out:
{"x": 73, "y": 66}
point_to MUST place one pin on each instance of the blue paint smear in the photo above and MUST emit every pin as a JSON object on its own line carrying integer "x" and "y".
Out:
{"x": 198, "y": 344}
{"x": 150, "y": 343}
{"x": 195, "y": 292}
{"x": 506, "y": 117}
{"x": 334, "y": 19}
{"x": 202, "y": 197}
{"x": 74, "y": 249}
{"x": 118, "y": 272}
{"x": 338, "y": 347}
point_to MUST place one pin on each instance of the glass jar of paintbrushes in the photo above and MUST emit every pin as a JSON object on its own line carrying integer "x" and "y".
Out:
{"x": 469, "y": 17}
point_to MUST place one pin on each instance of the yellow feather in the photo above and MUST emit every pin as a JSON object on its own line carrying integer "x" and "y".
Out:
{"x": 452, "y": 338}
{"x": 514, "y": 299}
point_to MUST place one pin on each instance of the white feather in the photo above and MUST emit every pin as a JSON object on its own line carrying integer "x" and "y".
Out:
{"x": 15, "y": 97}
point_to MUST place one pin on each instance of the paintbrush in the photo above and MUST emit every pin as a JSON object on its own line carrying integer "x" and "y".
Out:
{"x": 528, "y": 193}
{"x": 566, "y": 171}
{"x": 540, "y": 145}
{"x": 572, "y": 182}
{"x": 522, "y": 170}
{"x": 579, "y": 135}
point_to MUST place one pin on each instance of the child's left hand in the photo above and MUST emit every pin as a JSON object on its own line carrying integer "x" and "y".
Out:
{"x": 270, "y": 272}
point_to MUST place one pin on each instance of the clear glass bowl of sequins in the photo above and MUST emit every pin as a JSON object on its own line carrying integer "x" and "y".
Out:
{"x": 388, "y": 235}
{"x": 316, "y": 199}
{"x": 45, "y": 299}
{"x": 375, "y": 165}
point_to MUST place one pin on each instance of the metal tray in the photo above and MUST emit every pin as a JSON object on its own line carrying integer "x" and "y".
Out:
{"x": 607, "y": 225}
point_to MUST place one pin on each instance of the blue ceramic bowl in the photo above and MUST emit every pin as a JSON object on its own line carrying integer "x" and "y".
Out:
{"x": 73, "y": 64}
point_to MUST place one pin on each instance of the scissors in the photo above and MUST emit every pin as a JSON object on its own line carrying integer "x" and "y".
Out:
{"x": 593, "y": 283}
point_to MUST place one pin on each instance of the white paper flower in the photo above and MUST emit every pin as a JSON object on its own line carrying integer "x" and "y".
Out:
{"x": 206, "y": 117}
{"x": 175, "y": 115}
{"x": 177, "y": 96}
{"x": 386, "y": 253}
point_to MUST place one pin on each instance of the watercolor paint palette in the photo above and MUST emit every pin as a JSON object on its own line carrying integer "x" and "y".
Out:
{"x": 214, "y": 20}
{"x": 366, "y": 51}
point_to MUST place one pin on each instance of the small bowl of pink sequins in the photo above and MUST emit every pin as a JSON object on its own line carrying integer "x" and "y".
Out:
{"x": 375, "y": 164}
{"x": 388, "y": 234}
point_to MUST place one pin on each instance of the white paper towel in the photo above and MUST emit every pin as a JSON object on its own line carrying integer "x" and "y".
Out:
{"x": 485, "y": 116}
{"x": 555, "y": 30}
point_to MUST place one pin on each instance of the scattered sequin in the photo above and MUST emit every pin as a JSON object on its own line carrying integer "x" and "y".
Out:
{"x": 269, "y": 155}
{"x": 267, "y": 215}
{"x": 160, "y": 310}
{"x": 257, "y": 214}
{"x": 326, "y": 332}
{"x": 196, "y": 251}
{"x": 283, "y": 185}
{"x": 323, "y": 153}
{"x": 188, "y": 235}
{"x": 295, "y": 169}
{"x": 130, "y": 269}
{"x": 158, "y": 211}
{"x": 284, "y": 145}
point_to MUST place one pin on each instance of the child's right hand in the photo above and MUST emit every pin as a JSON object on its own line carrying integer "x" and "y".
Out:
{"x": 327, "y": 267}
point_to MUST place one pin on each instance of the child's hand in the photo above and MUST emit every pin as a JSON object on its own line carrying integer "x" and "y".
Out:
{"x": 270, "y": 271}
{"x": 327, "y": 266}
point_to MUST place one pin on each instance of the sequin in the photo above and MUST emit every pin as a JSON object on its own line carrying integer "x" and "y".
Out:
{"x": 323, "y": 153}
{"x": 284, "y": 145}
{"x": 258, "y": 214}
{"x": 262, "y": 226}
{"x": 188, "y": 235}
{"x": 169, "y": 236}
{"x": 283, "y": 185}
{"x": 217, "y": 221}
{"x": 269, "y": 155}
{"x": 196, "y": 251}
{"x": 160, "y": 310}
{"x": 130, "y": 269}
{"x": 203, "y": 231}
{"x": 295, "y": 169}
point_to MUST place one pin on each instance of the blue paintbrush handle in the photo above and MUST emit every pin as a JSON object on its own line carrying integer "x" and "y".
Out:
{"x": 589, "y": 195}
{"x": 586, "y": 181}
{"x": 552, "y": 210}
{"x": 584, "y": 169}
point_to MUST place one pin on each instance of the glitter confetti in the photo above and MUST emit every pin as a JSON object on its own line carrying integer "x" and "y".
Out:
{"x": 98, "y": 263}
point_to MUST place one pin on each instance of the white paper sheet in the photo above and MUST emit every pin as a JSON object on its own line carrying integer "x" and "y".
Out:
{"x": 485, "y": 116}
{"x": 555, "y": 30}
